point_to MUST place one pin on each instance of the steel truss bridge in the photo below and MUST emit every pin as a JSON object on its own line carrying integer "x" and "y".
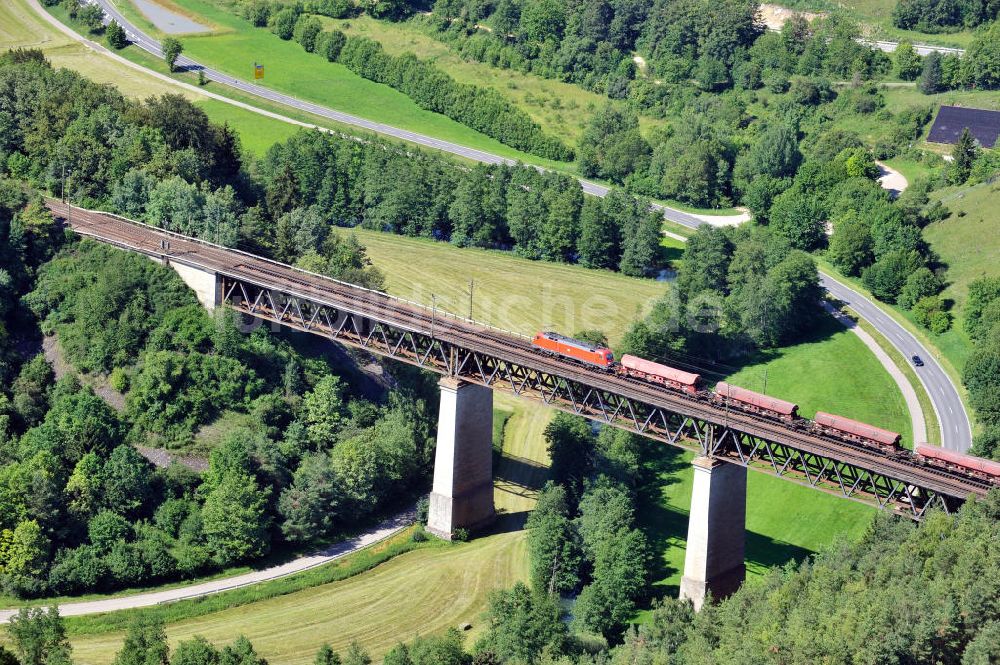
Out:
{"x": 469, "y": 350}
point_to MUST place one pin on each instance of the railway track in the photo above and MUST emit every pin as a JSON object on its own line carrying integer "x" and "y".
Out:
{"x": 508, "y": 347}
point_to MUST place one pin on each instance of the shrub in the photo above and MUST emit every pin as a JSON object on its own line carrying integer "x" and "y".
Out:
{"x": 119, "y": 379}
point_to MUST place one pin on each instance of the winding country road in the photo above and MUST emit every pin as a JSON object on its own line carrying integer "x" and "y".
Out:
{"x": 956, "y": 431}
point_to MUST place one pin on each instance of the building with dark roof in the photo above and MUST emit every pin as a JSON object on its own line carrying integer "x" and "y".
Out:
{"x": 951, "y": 120}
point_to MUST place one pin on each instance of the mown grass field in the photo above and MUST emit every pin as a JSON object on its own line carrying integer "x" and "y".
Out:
{"x": 423, "y": 591}
{"x": 237, "y": 45}
{"x": 509, "y": 292}
{"x": 257, "y": 132}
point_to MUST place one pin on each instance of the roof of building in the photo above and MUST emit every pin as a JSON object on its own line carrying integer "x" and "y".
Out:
{"x": 984, "y": 125}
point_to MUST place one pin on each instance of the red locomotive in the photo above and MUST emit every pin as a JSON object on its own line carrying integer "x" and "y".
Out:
{"x": 664, "y": 375}
{"x": 853, "y": 430}
{"x": 949, "y": 459}
{"x": 584, "y": 352}
{"x": 748, "y": 400}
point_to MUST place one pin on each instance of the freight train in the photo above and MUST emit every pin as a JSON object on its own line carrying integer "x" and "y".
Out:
{"x": 734, "y": 397}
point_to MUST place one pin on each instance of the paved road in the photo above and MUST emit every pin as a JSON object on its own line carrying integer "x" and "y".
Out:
{"x": 921, "y": 49}
{"x": 955, "y": 428}
{"x": 379, "y": 533}
{"x": 956, "y": 432}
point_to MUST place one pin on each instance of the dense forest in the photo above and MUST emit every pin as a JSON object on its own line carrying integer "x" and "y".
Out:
{"x": 943, "y": 15}
{"x": 80, "y": 508}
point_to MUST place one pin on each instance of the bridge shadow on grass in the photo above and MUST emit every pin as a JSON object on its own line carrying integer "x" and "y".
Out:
{"x": 519, "y": 472}
{"x": 664, "y": 497}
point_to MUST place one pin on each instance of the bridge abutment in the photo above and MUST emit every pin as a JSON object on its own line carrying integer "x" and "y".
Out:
{"x": 462, "y": 496}
{"x": 714, "y": 560}
{"x": 206, "y": 285}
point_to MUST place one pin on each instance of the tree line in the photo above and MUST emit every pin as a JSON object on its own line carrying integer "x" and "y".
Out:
{"x": 482, "y": 109}
{"x": 539, "y": 215}
{"x": 943, "y": 15}
{"x": 163, "y": 162}
{"x": 981, "y": 374}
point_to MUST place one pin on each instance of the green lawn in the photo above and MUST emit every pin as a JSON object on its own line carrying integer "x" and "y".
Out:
{"x": 509, "y": 292}
{"x": 831, "y": 371}
{"x": 947, "y": 349}
{"x": 289, "y": 69}
{"x": 968, "y": 243}
{"x": 257, "y": 132}
{"x": 785, "y": 520}
{"x": 913, "y": 170}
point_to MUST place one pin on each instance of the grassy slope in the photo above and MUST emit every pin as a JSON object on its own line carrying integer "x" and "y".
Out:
{"x": 968, "y": 243}
{"x": 853, "y": 382}
{"x": 289, "y": 69}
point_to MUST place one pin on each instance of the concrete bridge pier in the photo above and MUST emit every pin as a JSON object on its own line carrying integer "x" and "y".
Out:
{"x": 462, "y": 496}
{"x": 714, "y": 560}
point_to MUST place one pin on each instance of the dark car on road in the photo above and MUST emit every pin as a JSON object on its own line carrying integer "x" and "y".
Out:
{"x": 917, "y": 362}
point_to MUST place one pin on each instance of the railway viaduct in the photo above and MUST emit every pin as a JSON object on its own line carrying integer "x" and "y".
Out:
{"x": 474, "y": 360}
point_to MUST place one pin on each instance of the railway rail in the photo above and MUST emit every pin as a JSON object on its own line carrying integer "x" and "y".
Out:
{"x": 452, "y": 345}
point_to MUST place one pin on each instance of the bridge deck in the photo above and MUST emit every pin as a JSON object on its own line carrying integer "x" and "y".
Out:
{"x": 508, "y": 347}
